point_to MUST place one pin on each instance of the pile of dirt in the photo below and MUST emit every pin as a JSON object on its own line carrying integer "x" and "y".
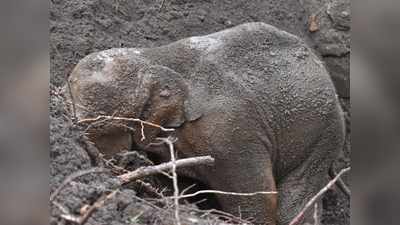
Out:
{"x": 79, "y": 182}
{"x": 79, "y": 27}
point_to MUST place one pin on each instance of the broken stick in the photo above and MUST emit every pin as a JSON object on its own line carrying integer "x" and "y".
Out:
{"x": 312, "y": 201}
{"x": 150, "y": 170}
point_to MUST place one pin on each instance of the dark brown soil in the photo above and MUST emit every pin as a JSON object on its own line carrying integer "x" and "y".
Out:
{"x": 79, "y": 27}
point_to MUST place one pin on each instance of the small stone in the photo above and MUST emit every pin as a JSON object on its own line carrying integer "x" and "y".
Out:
{"x": 313, "y": 25}
{"x": 228, "y": 23}
{"x": 202, "y": 18}
{"x": 165, "y": 94}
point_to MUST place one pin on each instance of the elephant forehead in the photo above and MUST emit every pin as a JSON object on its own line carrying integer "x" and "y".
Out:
{"x": 110, "y": 54}
{"x": 112, "y": 67}
{"x": 97, "y": 61}
{"x": 104, "y": 76}
{"x": 106, "y": 56}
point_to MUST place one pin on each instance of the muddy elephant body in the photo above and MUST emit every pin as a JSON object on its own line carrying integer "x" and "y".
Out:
{"x": 254, "y": 97}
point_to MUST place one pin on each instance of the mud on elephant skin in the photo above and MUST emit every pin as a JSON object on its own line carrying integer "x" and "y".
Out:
{"x": 254, "y": 97}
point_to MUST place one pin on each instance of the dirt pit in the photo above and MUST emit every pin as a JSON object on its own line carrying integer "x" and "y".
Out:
{"x": 79, "y": 27}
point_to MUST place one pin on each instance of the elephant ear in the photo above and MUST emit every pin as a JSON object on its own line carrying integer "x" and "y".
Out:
{"x": 193, "y": 106}
{"x": 170, "y": 88}
{"x": 194, "y": 103}
{"x": 169, "y": 85}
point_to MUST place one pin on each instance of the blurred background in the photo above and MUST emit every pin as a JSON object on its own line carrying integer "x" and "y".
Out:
{"x": 375, "y": 97}
{"x": 24, "y": 135}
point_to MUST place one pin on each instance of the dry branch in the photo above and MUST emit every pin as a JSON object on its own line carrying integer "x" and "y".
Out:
{"x": 74, "y": 118}
{"x": 226, "y": 193}
{"x": 150, "y": 170}
{"x": 162, "y": 5}
{"x": 340, "y": 183}
{"x": 90, "y": 210}
{"x": 312, "y": 201}
{"x": 150, "y": 189}
{"x": 62, "y": 208}
{"x": 170, "y": 142}
{"x": 315, "y": 216}
{"x": 120, "y": 170}
{"x": 116, "y": 118}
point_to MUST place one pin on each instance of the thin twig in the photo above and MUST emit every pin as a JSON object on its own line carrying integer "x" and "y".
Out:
{"x": 340, "y": 183}
{"x": 187, "y": 189}
{"x": 226, "y": 193}
{"x": 91, "y": 120}
{"x": 75, "y": 175}
{"x": 170, "y": 144}
{"x": 62, "y": 208}
{"x": 150, "y": 189}
{"x": 162, "y": 5}
{"x": 142, "y": 132}
{"x": 125, "y": 126}
{"x": 114, "y": 168}
{"x": 74, "y": 118}
{"x": 98, "y": 204}
{"x": 316, "y": 217}
{"x": 147, "y": 186}
{"x": 151, "y": 170}
{"x": 92, "y": 124}
{"x": 135, "y": 153}
{"x": 312, "y": 201}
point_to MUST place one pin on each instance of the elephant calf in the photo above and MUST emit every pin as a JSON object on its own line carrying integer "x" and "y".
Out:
{"x": 254, "y": 97}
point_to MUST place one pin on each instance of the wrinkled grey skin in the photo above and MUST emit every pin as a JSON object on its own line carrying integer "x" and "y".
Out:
{"x": 254, "y": 97}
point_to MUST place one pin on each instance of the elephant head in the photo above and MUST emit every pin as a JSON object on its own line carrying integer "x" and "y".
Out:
{"x": 122, "y": 83}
